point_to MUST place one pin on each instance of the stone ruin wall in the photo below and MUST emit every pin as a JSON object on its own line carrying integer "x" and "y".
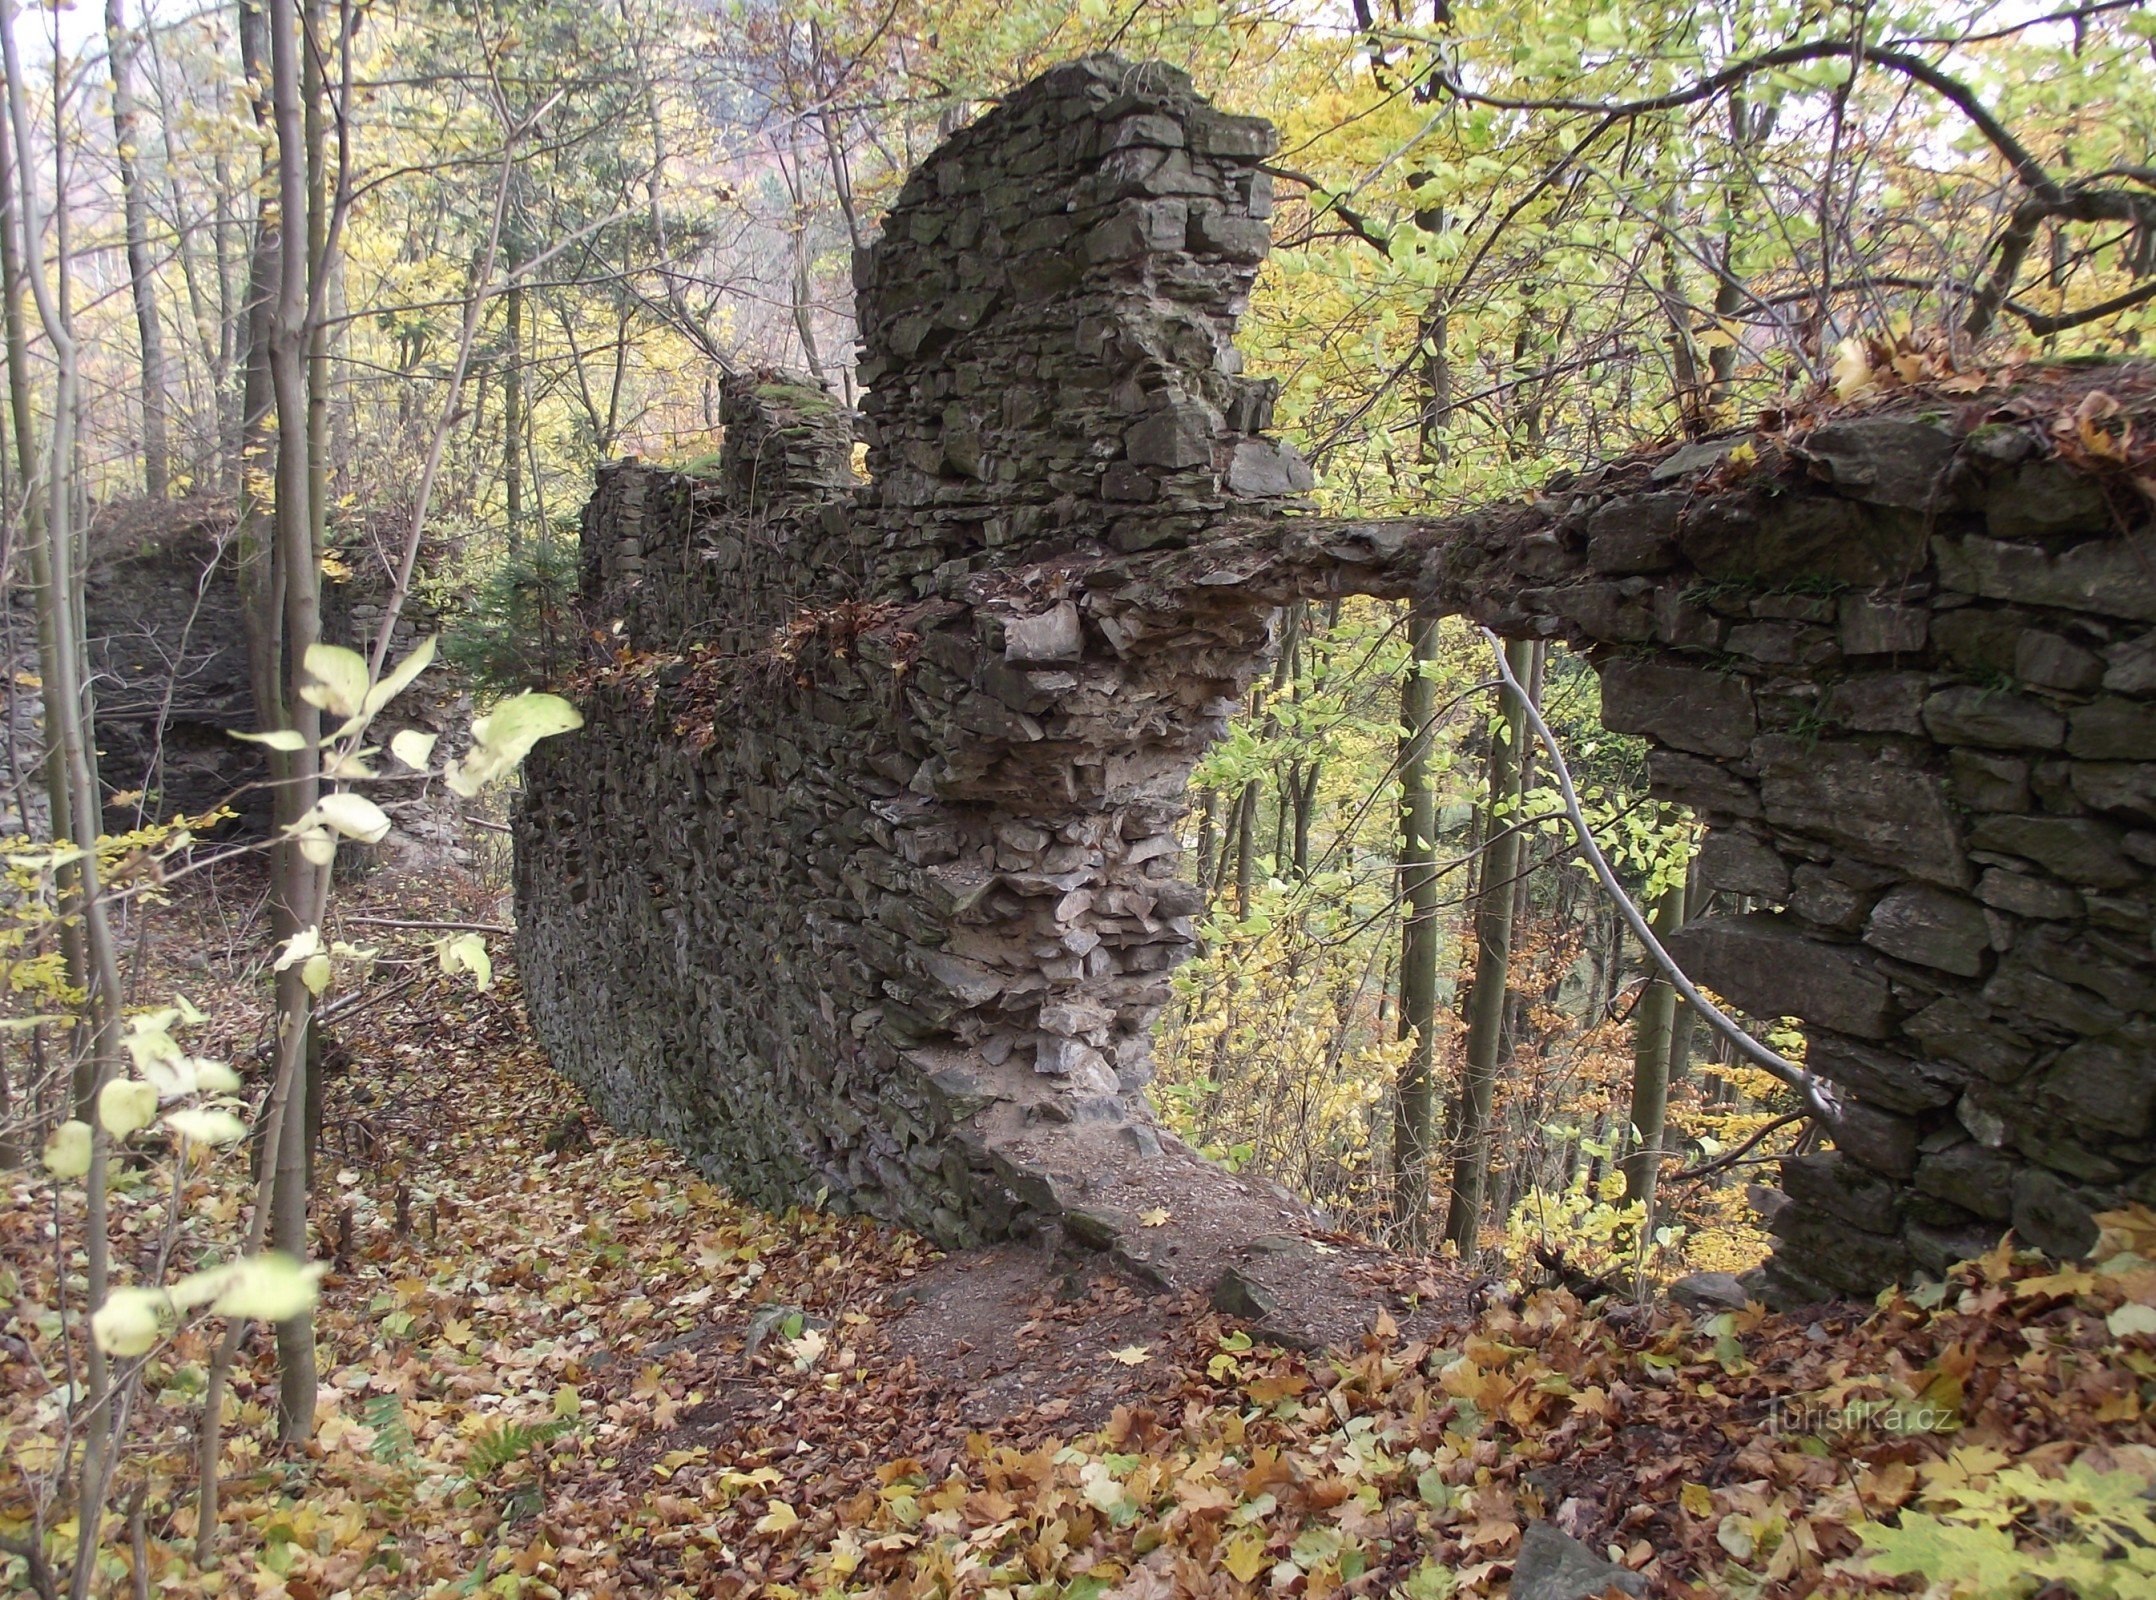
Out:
{"x": 861, "y": 880}
{"x": 875, "y": 895}
{"x": 167, "y": 658}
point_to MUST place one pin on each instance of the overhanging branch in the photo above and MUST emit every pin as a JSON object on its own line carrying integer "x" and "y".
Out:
{"x": 1766, "y": 1059}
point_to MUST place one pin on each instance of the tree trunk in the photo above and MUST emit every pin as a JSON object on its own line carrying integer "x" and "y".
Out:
{"x": 1415, "y": 1097}
{"x": 261, "y": 604}
{"x": 1493, "y": 961}
{"x": 1686, "y": 1021}
{"x": 1522, "y": 899}
{"x": 156, "y": 452}
{"x": 1208, "y": 805}
{"x": 513, "y": 411}
{"x": 50, "y": 618}
{"x": 295, "y": 882}
{"x": 317, "y": 331}
{"x": 1246, "y": 828}
{"x": 70, "y": 726}
{"x": 1651, "y": 1021}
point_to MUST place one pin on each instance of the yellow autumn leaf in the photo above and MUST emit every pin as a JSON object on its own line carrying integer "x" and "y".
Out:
{"x": 2067, "y": 1281}
{"x": 1698, "y": 1499}
{"x": 1245, "y": 1557}
{"x": 780, "y": 1518}
{"x": 1131, "y": 1355}
{"x": 1155, "y": 1218}
{"x": 1852, "y": 370}
{"x": 845, "y": 1555}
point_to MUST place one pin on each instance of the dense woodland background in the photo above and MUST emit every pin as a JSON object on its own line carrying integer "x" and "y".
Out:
{"x": 373, "y": 288}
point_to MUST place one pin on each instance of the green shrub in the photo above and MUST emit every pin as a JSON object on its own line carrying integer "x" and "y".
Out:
{"x": 521, "y": 629}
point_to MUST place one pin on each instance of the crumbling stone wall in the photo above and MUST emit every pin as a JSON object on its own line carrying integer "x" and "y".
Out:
{"x": 167, "y": 662}
{"x": 867, "y": 885}
{"x": 861, "y": 879}
{"x": 167, "y": 656}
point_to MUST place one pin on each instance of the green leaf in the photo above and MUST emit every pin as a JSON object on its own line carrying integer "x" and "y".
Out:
{"x": 306, "y": 942}
{"x": 338, "y": 679}
{"x": 354, "y": 816}
{"x": 415, "y": 662}
{"x": 276, "y": 739}
{"x": 1946, "y": 1553}
{"x": 126, "y": 1105}
{"x": 206, "y": 1125}
{"x": 130, "y": 1320}
{"x": 67, "y": 1152}
{"x": 506, "y": 735}
{"x": 2131, "y": 1318}
{"x": 413, "y": 748}
{"x": 271, "y": 1287}
{"x": 466, "y": 953}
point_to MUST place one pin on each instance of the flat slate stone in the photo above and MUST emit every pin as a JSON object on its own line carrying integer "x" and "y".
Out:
{"x": 1554, "y": 1566}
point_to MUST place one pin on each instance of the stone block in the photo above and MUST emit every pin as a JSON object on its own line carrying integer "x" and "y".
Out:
{"x": 1635, "y": 533}
{"x": 1236, "y": 238}
{"x": 1849, "y": 1260}
{"x": 1823, "y": 899}
{"x": 1684, "y": 623}
{"x": 2051, "y": 661}
{"x": 1831, "y": 1182}
{"x": 1054, "y": 635}
{"x": 2125, "y": 789}
{"x": 2045, "y": 500}
{"x": 1982, "y": 640}
{"x": 1803, "y": 538}
{"x": 1938, "y": 1249}
{"x": 1892, "y": 461}
{"x": 1894, "y": 1081}
{"x": 2130, "y": 665}
{"x": 2025, "y": 896}
{"x": 2104, "y": 1084}
{"x": 2113, "y": 576}
{"x": 2023, "y": 990}
{"x": 1216, "y": 133}
{"x": 1178, "y": 434}
{"x": 1931, "y": 928}
{"x": 2045, "y": 1141}
{"x": 1882, "y": 1141}
{"x": 1982, "y": 781}
{"x": 1978, "y": 1180}
{"x": 1553, "y": 1566}
{"x": 1873, "y": 627}
{"x": 2113, "y": 728}
{"x": 1262, "y": 468}
{"x": 2080, "y": 850}
{"x": 1767, "y": 966}
{"x": 1706, "y": 1293}
{"x": 1743, "y": 864}
{"x": 2054, "y": 1216}
{"x": 1878, "y": 702}
{"x": 1237, "y": 1293}
{"x": 1865, "y": 799}
{"x": 1994, "y": 719}
{"x": 1709, "y": 713}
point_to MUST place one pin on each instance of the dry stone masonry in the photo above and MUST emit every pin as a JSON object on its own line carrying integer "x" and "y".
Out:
{"x": 167, "y": 658}
{"x": 861, "y": 879}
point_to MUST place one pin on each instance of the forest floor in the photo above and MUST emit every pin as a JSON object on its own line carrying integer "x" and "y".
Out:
{"x": 557, "y": 1363}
